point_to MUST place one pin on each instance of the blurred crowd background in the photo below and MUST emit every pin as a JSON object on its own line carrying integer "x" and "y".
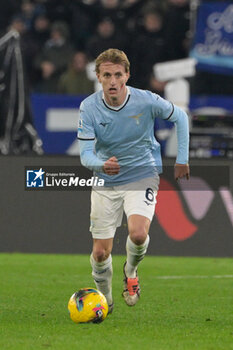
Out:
{"x": 60, "y": 38}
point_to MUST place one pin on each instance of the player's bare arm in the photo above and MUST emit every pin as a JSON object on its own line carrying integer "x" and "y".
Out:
{"x": 181, "y": 171}
{"x": 111, "y": 166}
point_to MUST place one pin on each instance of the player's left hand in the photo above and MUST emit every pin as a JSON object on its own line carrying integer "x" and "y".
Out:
{"x": 181, "y": 171}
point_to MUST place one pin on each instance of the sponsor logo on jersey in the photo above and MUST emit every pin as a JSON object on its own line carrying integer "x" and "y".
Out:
{"x": 103, "y": 124}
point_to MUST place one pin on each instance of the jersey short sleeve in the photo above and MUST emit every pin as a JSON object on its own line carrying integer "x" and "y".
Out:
{"x": 85, "y": 124}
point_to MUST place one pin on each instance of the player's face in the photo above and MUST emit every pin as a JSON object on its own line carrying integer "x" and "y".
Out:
{"x": 113, "y": 79}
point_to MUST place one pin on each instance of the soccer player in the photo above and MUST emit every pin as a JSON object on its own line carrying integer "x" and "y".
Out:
{"x": 116, "y": 134}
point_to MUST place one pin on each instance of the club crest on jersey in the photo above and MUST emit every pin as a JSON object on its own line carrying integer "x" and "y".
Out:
{"x": 136, "y": 117}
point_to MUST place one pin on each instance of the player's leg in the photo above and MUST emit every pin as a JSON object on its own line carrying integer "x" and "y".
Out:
{"x": 137, "y": 242}
{"x": 136, "y": 247}
{"x": 101, "y": 262}
{"x": 139, "y": 207}
{"x": 106, "y": 215}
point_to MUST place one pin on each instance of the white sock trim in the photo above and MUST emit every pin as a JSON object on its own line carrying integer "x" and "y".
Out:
{"x": 132, "y": 247}
{"x": 99, "y": 266}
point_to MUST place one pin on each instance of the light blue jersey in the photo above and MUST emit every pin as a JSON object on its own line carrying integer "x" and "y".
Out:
{"x": 128, "y": 134}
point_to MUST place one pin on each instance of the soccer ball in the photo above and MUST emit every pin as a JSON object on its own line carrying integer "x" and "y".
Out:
{"x": 88, "y": 305}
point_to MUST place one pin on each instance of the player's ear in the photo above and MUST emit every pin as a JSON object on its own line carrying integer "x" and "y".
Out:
{"x": 98, "y": 77}
{"x": 128, "y": 76}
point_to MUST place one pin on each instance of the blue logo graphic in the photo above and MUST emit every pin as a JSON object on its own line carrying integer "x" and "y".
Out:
{"x": 35, "y": 178}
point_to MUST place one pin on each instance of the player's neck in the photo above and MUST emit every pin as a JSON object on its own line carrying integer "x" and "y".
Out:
{"x": 117, "y": 101}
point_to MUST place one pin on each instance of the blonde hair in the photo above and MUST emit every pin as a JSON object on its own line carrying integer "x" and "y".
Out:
{"x": 114, "y": 56}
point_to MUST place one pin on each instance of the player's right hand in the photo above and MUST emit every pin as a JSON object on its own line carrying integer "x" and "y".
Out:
{"x": 111, "y": 166}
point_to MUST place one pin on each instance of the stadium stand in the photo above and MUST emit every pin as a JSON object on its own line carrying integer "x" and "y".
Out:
{"x": 150, "y": 32}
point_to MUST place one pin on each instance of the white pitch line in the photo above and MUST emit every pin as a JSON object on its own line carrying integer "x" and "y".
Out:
{"x": 190, "y": 277}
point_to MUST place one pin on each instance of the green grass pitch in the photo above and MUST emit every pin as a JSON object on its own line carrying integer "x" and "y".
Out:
{"x": 186, "y": 304}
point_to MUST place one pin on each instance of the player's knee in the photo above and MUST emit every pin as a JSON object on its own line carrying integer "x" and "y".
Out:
{"x": 100, "y": 254}
{"x": 138, "y": 235}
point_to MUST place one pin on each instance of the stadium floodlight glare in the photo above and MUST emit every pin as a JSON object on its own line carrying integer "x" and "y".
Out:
{"x": 173, "y": 70}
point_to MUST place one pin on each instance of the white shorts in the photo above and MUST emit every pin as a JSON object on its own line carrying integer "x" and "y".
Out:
{"x": 108, "y": 204}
